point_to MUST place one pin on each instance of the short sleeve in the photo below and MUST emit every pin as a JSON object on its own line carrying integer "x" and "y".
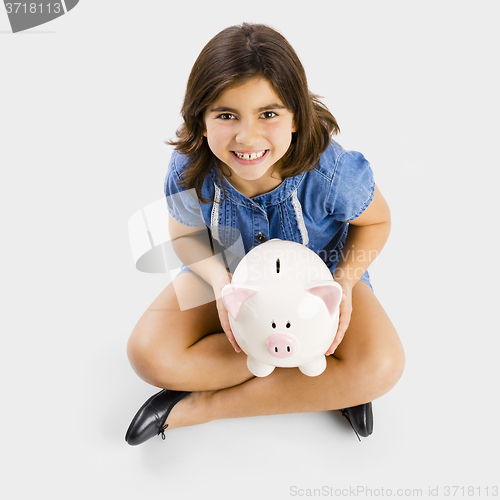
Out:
{"x": 183, "y": 205}
{"x": 352, "y": 188}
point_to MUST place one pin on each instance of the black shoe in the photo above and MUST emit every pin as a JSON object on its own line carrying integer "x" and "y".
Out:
{"x": 149, "y": 421}
{"x": 361, "y": 419}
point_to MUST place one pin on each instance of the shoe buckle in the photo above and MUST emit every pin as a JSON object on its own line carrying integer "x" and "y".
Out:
{"x": 162, "y": 432}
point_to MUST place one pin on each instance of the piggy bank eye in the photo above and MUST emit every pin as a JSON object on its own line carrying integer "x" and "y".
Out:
{"x": 288, "y": 324}
{"x": 273, "y": 324}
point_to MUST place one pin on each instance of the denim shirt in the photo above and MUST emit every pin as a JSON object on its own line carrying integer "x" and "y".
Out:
{"x": 312, "y": 208}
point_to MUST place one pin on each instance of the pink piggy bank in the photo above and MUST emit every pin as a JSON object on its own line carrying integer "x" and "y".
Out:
{"x": 283, "y": 307}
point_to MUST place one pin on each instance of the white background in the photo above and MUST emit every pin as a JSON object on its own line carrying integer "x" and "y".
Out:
{"x": 86, "y": 102}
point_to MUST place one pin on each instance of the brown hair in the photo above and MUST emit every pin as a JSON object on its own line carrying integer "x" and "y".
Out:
{"x": 231, "y": 58}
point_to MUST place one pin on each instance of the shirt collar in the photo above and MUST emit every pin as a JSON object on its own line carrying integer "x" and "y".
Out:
{"x": 262, "y": 201}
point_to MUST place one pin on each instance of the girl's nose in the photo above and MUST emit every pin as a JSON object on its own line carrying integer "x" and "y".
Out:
{"x": 247, "y": 133}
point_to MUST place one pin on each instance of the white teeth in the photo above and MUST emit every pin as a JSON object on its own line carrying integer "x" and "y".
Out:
{"x": 252, "y": 156}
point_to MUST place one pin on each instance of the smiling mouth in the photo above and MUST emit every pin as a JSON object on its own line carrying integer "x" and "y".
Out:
{"x": 250, "y": 156}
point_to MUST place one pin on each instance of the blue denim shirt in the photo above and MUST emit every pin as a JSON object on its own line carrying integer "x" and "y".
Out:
{"x": 312, "y": 208}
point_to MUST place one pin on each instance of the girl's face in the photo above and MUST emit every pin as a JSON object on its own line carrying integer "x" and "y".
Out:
{"x": 249, "y": 129}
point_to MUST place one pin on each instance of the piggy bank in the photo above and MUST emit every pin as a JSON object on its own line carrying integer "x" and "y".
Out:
{"x": 283, "y": 307}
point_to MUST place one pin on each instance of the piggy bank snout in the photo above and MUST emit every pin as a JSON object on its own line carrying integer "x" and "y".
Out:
{"x": 281, "y": 345}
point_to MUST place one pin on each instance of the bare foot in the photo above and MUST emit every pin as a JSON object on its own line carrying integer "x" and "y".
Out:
{"x": 191, "y": 410}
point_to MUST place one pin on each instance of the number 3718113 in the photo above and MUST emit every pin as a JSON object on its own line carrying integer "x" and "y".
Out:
{"x": 33, "y": 8}
{"x": 471, "y": 491}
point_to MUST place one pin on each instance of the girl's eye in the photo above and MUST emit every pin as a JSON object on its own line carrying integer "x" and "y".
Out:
{"x": 226, "y": 116}
{"x": 269, "y": 114}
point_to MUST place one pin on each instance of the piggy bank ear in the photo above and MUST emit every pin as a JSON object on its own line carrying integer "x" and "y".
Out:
{"x": 233, "y": 297}
{"x": 330, "y": 293}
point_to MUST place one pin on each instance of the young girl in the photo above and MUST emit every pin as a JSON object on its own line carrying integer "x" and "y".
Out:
{"x": 255, "y": 158}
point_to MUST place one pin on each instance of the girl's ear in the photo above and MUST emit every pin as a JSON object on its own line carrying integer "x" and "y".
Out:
{"x": 294, "y": 127}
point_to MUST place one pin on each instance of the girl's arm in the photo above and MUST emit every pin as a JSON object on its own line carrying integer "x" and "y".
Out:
{"x": 192, "y": 246}
{"x": 366, "y": 238}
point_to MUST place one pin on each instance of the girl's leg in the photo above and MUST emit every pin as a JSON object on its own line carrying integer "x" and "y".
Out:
{"x": 366, "y": 365}
{"x": 185, "y": 350}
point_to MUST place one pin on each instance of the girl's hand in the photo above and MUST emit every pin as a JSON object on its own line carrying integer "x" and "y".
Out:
{"x": 224, "y": 321}
{"x": 345, "y": 316}
{"x": 223, "y": 314}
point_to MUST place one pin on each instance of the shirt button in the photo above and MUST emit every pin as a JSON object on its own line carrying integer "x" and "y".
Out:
{"x": 261, "y": 238}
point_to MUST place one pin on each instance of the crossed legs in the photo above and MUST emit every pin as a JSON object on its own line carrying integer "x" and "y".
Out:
{"x": 187, "y": 351}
